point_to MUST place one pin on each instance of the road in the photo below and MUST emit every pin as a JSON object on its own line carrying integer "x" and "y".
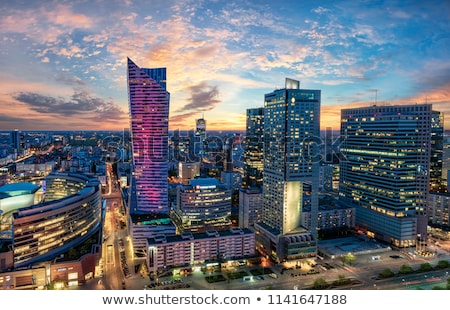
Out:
{"x": 113, "y": 273}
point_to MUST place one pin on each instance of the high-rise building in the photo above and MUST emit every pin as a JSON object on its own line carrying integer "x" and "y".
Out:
{"x": 254, "y": 147}
{"x": 250, "y": 206}
{"x": 439, "y": 210}
{"x": 326, "y": 178}
{"x": 200, "y": 129}
{"x": 385, "y": 168}
{"x": 17, "y": 140}
{"x": 200, "y": 136}
{"x": 228, "y": 154}
{"x": 437, "y": 150}
{"x": 149, "y": 113}
{"x": 291, "y": 158}
{"x": 446, "y": 159}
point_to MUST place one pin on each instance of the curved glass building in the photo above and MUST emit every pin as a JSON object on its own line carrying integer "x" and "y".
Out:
{"x": 69, "y": 214}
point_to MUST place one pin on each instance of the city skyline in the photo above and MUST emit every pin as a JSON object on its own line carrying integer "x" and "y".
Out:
{"x": 64, "y": 63}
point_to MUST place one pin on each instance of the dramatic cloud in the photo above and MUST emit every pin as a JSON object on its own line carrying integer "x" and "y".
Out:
{"x": 203, "y": 97}
{"x": 80, "y": 105}
{"x": 67, "y": 59}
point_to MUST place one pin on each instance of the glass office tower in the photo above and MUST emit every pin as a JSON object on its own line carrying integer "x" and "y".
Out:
{"x": 254, "y": 149}
{"x": 291, "y": 159}
{"x": 385, "y": 170}
{"x": 149, "y": 113}
{"x": 437, "y": 151}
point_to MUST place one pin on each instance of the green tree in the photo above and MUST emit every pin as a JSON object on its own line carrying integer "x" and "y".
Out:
{"x": 319, "y": 284}
{"x": 405, "y": 269}
{"x": 442, "y": 264}
{"x": 386, "y": 273}
{"x": 348, "y": 259}
{"x": 425, "y": 267}
{"x": 342, "y": 280}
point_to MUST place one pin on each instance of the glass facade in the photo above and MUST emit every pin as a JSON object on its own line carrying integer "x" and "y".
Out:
{"x": 291, "y": 128}
{"x": 149, "y": 113}
{"x": 253, "y": 154}
{"x": 291, "y": 159}
{"x": 385, "y": 169}
{"x": 437, "y": 150}
{"x": 43, "y": 231}
{"x": 203, "y": 206}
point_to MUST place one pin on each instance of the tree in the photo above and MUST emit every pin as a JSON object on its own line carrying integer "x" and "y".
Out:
{"x": 386, "y": 273}
{"x": 348, "y": 258}
{"x": 442, "y": 264}
{"x": 425, "y": 267}
{"x": 405, "y": 269}
{"x": 320, "y": 283}
{"x": 342, "y": 280}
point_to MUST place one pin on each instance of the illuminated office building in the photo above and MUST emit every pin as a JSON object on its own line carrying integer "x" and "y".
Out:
{"x": 188, "y": 171}
{"x": 250, "y": 206}
{"x": 291, "y": 158}
{"x": 197, "y": 140}
{"x": 149, "y": 113}
{"x": 254, "y": 149}
{"x": 200, "y": 128}
{"x": 385, "y": 168}
{"x": 204, "y": 204}
{"x": 17, "y": 139}
{"x": 439, "y": 210}
{"x": 70, "y": 214}
{"x": 437, "y": 151}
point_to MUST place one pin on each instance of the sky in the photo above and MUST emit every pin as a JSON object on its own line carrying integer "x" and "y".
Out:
{"x": 63, "y": 63}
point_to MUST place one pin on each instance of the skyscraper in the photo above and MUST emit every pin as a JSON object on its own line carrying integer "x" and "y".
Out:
{"x": 437, "y": 151}
{"x": 17, "y": 141}
{"x": 149, "y": 113}
{"x": 385, "y": 170}
{"x": 254, "y": 147}
{"x": 199, "y": 138}
{"x": 291, "y": 158}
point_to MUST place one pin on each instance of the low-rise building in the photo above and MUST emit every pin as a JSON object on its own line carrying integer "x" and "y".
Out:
{"x": 188, "y": 249}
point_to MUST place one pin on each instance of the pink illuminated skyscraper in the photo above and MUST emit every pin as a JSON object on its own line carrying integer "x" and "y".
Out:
{"x": 149, "y": 114}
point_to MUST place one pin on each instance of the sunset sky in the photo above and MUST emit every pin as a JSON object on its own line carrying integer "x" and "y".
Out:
{"x": 63, "y": 63}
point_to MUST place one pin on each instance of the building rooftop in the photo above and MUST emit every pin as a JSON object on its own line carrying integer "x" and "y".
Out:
{"x": 204, "y": 182}
{"x": 199, "y": 236}
{"x": 151, "y": 219}
{"x": 20, "y": 188}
